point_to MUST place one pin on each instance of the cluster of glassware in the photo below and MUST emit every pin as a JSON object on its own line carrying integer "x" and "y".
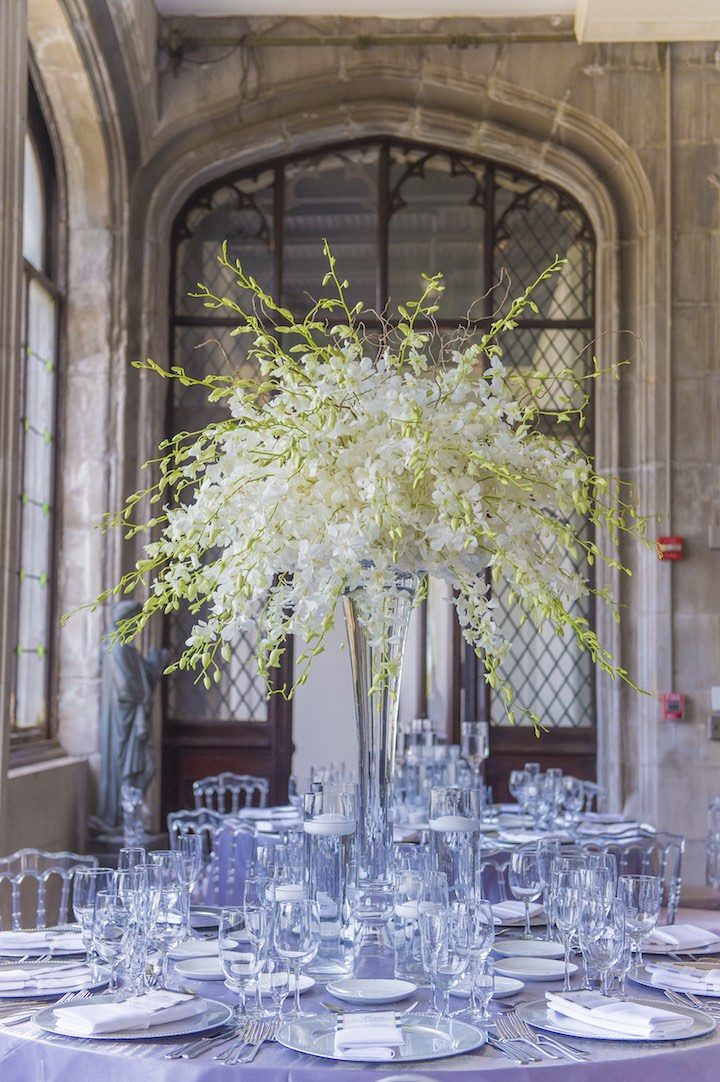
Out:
{"x": 423, "y": 763}
{"x": 552, "y": 797}
{"x": 141, "y": 909}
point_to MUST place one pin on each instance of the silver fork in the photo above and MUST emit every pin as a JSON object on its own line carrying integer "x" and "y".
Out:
{"x": 527, "y": 1033}
{"x": 246, "y": 1038}
{"x": 265, "y": 1032}
{"x": 507, "y": 1034}
{"x": 69, "y": 997}
{"x": 687, "y": 999}
{"x": 512, "y": 1052}
{"x": 191, "y": 1049}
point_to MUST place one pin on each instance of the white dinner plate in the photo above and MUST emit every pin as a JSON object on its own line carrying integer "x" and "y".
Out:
{"x": 700, "y": 946}
{"x": 215, "y": 1015}
{"x": 538, "y": 921}
{"x": 533, "y": 969}
{"x": 194, "y": 948}
{"x": 528, "y": 948}
{"x": 504, "y": 987}
{"x": 102, "y": 975}
{"x": 537, "y": 1014}
{"x": 305, "y": 984}
{"x": 201, "y": 969}
{"x": 371, "y": 991}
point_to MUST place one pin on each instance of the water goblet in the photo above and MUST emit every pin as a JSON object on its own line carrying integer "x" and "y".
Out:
{"x": 547, "y": 850}
{"x": 567, "y": 894}
{"x": 111, "y": 925}
{"x": 474, "y": 743}
{"x": 242, "y": 944}
{"x": 167, "y": 921}
{"x": 444, "y": 947}
{"x": 131, "y": 856}
{"x": 525, "y": 882}
{"x": 602, "y": 937}
{"x": 87, "y": 883}
{"x": 297, "y": 939}
{"x": 640, "y": 895}
{"x": 169, "y": 865}
{"x": 190, "y": 849}
{"x": 481, "y": 938}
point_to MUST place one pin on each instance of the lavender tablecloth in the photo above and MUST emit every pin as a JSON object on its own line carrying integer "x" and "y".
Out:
{"x": 29, "y": 1055}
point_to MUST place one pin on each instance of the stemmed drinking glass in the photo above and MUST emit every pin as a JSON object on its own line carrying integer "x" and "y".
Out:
{"x": 484, "y": 989}
{"x": 131, "y": 887}
{"x": 640, "y": 895}
{"x": 110, "y": 929}
{"x": 87, "y": 884}
{"x": 475, "y": 747}
{"x": 548, "y": 849}
{"x": 169, "y": 866}
{"x": 279, "y": 984}
{"x": 167, "y": 920}
{"x": 602, "y": 937}
{"x": 525, "y": 882}
{"x": 481, "y": 937}
{"x": 567, "y": 895}
{"x": 131, "y": 856}
{"x": 297, "y": 939}
{"x": 190, "y": 850}
{"x": 573, "y": 800}
{"x": 445, "y": 955}
{"x": 242, "y": 947}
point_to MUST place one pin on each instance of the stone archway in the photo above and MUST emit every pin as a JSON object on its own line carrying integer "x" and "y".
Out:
{"x": 565, "y": 146}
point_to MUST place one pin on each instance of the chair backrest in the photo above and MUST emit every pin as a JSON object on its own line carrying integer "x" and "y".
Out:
{"x": 39, "y": 880}
{"x": 233, "y": 853}
{"x": 594, "y": 797}
{"x": 492, "y": 874}
{"x": 202, "y": 821}
{"x": 229, "y": 793}
{"x": 712, "y": 844}
{"x": 644, "y": 853}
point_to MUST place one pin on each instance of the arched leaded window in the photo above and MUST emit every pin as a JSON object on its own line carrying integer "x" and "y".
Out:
{"x": 390, "y": 210}
{"x": 31, "y": 714}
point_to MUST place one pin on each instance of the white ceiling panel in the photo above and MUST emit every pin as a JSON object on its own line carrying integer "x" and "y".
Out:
{"x": 400, "y": 9}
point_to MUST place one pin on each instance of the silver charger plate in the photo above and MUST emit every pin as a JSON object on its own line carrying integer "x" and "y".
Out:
{"x": 536, "y": 1015}
{"x": 640, "y": 975}
{"x": 37, "y": 993}
{"x": 205, "y": 917}
{"x": 425, "y": 1038}
{"x": 215, "y": 1015}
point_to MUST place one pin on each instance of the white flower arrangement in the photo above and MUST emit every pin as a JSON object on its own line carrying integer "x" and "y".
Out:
{"x": 351, "y": 456}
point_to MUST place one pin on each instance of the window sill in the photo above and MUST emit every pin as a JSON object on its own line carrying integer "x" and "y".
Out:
{"x": 37, "y": 754}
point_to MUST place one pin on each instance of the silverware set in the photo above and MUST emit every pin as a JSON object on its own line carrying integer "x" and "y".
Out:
{"x": 689, "y": 999}
{"x": 256, "y": 1034}
{"x": 514, "y": 1031}
{"x": 10, "y": 1017}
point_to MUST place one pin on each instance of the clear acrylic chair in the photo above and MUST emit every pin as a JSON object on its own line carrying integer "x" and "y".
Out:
{"x": 492, "y": 874}
{"x": 202, "y": 821}
{"x": 712, "y": 845}
{"x": 229, "y": 793}
{"x": 641, "y": 852}
{"x": 39, "y": 882}
{"x": 594, "y": 797}
{"x": 233, "y": 853}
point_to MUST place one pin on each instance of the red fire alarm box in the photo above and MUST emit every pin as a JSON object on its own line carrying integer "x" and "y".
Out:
{"x": 671, "y": 548}
{"x": 673, "y": 706}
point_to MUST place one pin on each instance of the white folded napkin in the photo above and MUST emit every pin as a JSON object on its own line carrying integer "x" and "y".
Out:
{"x": 51, "y": 978}
{"x": 617, "y": 1015}
{"x": 684, "y": 936}
{"x": 136, "y": 1012}
{"x": 605, "y": 817}
{"x": 372, "y": 1036}
{"x": 514, "y": 911}
{"x": 609, "y": 829}
{"x": 48, "y": 939}
{"x": 684, "y": 978}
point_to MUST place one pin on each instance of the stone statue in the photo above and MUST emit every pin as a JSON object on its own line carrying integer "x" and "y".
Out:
{"x": 127, "y": 683}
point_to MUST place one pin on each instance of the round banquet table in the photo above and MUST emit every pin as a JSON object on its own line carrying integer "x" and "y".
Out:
{"x": 27, "y": 1054}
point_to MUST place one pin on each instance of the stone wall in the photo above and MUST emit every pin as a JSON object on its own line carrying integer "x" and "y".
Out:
{"x": 609, "y": 123}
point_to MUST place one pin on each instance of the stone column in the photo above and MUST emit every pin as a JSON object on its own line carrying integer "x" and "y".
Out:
{"x": 13, "y": 106}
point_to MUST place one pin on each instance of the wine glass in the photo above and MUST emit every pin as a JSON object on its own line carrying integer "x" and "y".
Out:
{"x": 567, "y": 895}
{"x": 190, "y": 849}
{"x": 445, "y": 953}
{"x": 474, "y": 743}
{"x": 86, "y": 884}
{"x": 548, "y": 849}
{"x": 279, "y": 983}
{"x": 602, "y": 875}
{"x": 573, "y": 800}
{"x": 242, "y": 948}
{"x": 110, "y": 928}
{"x": 131, "y": 856}
{"x": 131, "y": 885}
{"x": 167, "y": 921}
{"x": 169, "y": 865}
{"x": 484, "y": 986}
{"x": 602, "y": 938}
{"x": 640, "y": 895}
{"x": 481, "y": 938}
{"x": 525, "y": 882}
{"x": 516, "y": 785}
{"x": 297, "y": 939}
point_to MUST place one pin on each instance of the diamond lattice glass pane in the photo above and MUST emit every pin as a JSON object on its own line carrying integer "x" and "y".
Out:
{"x": 437, "y": 224}
{"x": 533, "y": 224}
{"x": 240, "y": 213}
{"x": 333, "y": 196}
{"x": 240, "y": 695}
{"x": 548, "y": 352}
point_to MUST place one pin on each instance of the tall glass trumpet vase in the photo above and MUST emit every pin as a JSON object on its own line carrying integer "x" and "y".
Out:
{"x": 376, "y": 661}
